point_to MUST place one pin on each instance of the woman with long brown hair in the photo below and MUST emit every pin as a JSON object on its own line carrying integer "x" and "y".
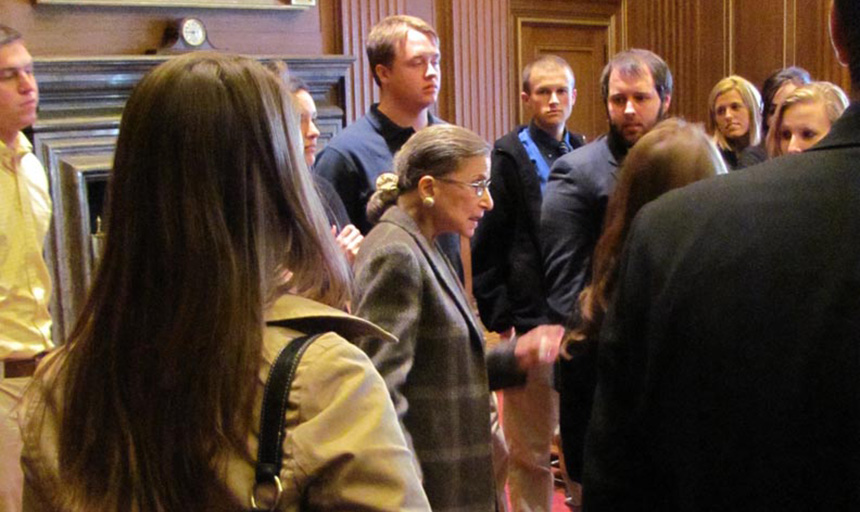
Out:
{"x": 673, "y": 154}
{"x": 217, "y": 256}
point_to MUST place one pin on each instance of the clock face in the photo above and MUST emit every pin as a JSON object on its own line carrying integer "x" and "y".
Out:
{"x": 193, "y": 31}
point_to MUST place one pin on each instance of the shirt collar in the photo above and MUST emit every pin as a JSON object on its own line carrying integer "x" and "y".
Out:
{"x": 543, "y": 139}
{"x": 9, "y": 155}
{"x": 394, "y": 134}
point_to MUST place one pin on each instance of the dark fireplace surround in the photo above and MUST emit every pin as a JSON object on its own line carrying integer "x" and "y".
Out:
{"x": 81, "y": 101}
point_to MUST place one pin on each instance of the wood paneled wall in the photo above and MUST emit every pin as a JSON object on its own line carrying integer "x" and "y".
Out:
{"x": 480, "y": 85}
{"x": 706, "y": 40}
{"x": 702, "y": 40}
{"x": 357, "y": 18}
{"x": 692, "y": 36}
{"x": 53, "y": 30}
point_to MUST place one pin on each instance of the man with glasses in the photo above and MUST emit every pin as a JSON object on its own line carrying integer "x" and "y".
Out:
{"x": 507, "y": 271}
{"x": 25, "y": 284}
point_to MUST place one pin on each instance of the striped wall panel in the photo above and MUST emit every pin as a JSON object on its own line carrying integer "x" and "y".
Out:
{"x": 358, "y": 17}
{"x": 482, "y": 52}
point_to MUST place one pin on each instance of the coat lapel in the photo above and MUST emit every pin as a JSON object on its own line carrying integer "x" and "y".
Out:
{"x": 442, "y": 268}
{"x": 845, "y": 131}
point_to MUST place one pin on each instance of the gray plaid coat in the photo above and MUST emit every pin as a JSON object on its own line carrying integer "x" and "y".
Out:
{"x": 437, "y": 372}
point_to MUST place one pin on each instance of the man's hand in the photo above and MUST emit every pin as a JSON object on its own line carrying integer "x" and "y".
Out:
{"x": 538, "y": 346}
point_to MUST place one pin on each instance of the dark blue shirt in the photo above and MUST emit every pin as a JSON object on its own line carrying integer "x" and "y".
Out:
{"x": 353, "y": 160}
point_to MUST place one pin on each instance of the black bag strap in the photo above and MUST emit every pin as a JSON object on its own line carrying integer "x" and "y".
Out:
{"x": 272, "y": 417}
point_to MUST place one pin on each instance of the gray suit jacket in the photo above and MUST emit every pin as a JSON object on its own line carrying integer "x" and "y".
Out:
{"x": 436, "y": 373}
{"x": 571, "y": 221}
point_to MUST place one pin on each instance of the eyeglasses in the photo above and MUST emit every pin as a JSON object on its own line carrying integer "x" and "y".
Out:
{"x": 479, "y": 186}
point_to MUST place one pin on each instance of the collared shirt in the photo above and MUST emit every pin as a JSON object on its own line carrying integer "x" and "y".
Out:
{"x": 549, "y": 147}
{"x": 25, "y": 283}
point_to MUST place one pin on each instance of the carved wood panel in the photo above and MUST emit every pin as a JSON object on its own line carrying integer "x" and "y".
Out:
{"x": 706, "y": 40}
{"x": 582, "y": 32}
{"x": 481, "y": 87}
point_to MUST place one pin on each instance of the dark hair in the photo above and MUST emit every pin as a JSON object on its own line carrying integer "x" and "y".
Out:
{"x": 297, "y": 84}
{"x": 436, "y": 151}
{"x": 848, "y": 12}
{"x": 630, "y": 62}
{"x": 773, "y": 83}
{"x": 386, "y": 35}
{"x": 671, "y": 155}
{"x": 8, "y": 35}
{"x": 546, "y": 62}
{"x": 209, "y": 206}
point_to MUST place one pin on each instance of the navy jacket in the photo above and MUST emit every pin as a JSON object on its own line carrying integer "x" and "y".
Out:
{"x": 507, "y": 269}
{"x": 572, "y": 215}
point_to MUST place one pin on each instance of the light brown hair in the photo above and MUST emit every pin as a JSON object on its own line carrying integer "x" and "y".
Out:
{"x": 752, "y": 101}
{"x": 831, "y": 97}
{"x": 387, "y": 35}
{"x": 8, "y": 35}
{"x": 673, "y": 154}
{"x": 546, "y": 62}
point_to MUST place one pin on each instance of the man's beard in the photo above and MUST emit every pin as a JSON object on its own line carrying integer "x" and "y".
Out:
{"x": 615, "y": 132}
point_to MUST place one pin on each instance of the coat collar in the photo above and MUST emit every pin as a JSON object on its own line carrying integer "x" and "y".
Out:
{"x": 308, "y": 316}
{"x": 442, "y": 268}
{"x": 845, "y": 131}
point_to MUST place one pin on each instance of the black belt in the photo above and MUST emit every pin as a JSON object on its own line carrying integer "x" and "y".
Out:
{"x": 20, "y": 367}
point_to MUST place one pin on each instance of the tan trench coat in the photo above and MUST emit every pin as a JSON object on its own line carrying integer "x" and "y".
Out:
{"x": 345, "y": 449}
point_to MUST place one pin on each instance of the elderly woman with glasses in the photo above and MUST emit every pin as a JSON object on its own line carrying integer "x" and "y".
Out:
{"x": 439, "y": 373}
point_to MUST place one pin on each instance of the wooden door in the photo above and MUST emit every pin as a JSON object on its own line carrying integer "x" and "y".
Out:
{"x": 585, "y": 44}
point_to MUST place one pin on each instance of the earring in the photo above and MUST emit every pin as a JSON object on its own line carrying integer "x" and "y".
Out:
{"x": 428, "y": 202}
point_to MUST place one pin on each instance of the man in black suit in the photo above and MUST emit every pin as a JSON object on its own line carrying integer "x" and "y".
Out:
{"x": 729, "y": 374}
{"x": 507, "y": 270}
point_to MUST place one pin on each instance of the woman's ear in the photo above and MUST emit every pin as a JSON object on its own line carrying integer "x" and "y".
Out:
{"x": 426, "y": 187}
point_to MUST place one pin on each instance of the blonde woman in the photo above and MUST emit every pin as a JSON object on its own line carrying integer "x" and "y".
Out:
{"x": 735, "y": 121}
{"x": 805, "y": 117}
